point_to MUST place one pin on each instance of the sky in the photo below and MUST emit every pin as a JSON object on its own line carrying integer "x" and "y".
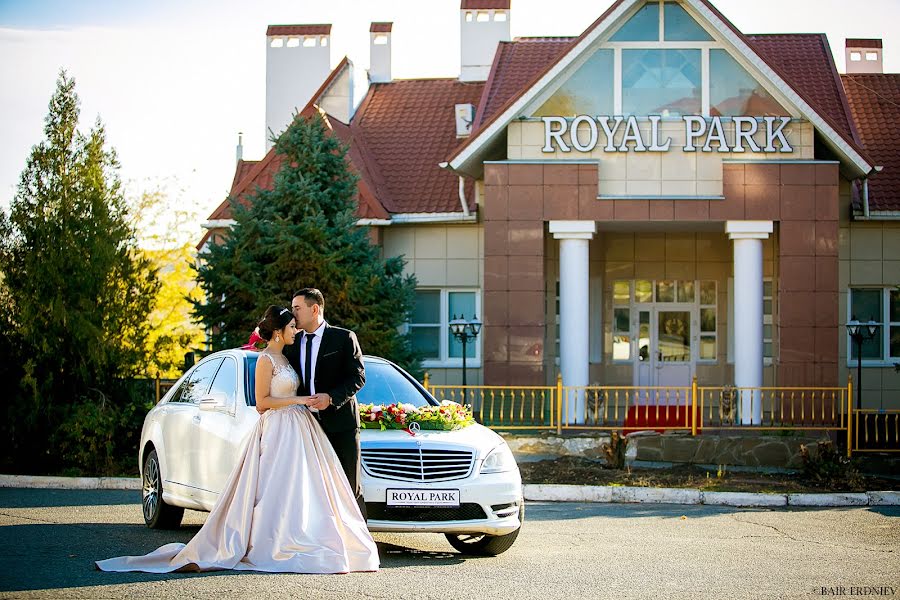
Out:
{"x": 174, "y": 81}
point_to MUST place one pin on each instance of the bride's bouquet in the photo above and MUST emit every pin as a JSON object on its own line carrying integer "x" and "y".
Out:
{"x": 446, "y": 417}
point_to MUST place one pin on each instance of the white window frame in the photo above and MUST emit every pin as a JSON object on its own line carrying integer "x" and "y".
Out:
{"x": 884, "y": 322}
{"x": 660, "y": 44}
{"x": 631, "y": 307}
{"x": 707, "y": 334}
{"x": 445, "y": 361}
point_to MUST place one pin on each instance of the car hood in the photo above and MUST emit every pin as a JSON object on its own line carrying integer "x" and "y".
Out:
{"x": 475, "y": 436}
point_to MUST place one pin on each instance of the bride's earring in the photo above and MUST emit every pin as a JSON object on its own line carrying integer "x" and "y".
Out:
{"x": 278, "y": 338}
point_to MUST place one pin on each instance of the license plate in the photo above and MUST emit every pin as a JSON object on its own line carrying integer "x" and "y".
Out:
{"x": 423, "y": 497}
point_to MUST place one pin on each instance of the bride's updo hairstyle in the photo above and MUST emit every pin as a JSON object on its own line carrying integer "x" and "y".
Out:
{"x": 275, "y": 319}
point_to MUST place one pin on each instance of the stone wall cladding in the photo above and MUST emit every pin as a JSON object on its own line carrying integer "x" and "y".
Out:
{"x": 762, "y": 451}
{"x": 519, "y": 200}
{"x": 801, "y": 198}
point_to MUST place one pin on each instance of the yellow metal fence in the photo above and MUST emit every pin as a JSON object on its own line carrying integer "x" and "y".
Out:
{"x": 696, "y": 408}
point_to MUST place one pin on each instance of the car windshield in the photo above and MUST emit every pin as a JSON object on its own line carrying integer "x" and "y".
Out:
{"x": 384, "y": 385}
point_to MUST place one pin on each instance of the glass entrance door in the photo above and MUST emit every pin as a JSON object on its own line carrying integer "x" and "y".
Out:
{"x": 665, "y": 354}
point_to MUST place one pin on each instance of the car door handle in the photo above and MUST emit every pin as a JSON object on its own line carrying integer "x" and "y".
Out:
{"x": 196, "y": 418}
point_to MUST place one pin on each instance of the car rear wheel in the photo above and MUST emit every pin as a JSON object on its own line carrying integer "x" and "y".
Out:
{"x": 157, "y": 514}
{"x": 482, "y": 544}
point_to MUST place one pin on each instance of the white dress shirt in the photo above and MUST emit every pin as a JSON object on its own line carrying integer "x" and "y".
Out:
{"x": 317, "y": 341}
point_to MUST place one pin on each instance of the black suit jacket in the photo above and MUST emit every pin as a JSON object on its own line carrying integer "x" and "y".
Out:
{"x": 339, "y": 373}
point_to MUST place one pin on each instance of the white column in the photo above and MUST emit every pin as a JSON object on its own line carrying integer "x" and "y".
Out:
{"x": 748, "y": 312}
{"x": 574, "y": 315}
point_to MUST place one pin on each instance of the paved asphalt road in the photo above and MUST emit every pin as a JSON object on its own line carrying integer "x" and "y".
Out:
{"x": 50, "y": 538}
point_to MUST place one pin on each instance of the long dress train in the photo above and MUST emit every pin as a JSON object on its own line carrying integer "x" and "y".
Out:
{"x": 287, "y": 506}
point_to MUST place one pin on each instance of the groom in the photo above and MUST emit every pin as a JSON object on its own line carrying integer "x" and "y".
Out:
{"x": 329, "y": 361}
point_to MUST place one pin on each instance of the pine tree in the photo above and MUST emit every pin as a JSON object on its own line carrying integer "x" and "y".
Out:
{"x": 303, "y": 233}
{"x": 77, "y": 296}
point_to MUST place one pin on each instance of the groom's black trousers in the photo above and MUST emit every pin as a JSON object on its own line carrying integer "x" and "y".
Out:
{"x": 346, "y": 446}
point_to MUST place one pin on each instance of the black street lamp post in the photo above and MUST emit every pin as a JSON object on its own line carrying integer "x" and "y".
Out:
{"x": 860, "y": 332}
{"x": 465, "y": 332}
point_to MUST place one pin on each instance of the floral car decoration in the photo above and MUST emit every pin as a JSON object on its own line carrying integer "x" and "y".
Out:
{"x": 446, "y": 417}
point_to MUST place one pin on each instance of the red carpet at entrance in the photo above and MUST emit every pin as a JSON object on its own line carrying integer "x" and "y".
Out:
{"x": 657, "y": 418}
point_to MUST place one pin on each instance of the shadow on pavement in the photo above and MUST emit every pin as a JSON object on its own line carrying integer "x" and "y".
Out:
{"x": 45, "y": 498}
{"x": 54, "y": 556}
{"x": 394, "y": 556}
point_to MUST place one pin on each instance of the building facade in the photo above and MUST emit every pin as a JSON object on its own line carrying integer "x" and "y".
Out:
{"x": 661, "y": 198}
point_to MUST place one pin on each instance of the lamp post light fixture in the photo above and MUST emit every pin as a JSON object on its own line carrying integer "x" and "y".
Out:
{"x": 465, "y": 332}
{"x": 860, "y": 332}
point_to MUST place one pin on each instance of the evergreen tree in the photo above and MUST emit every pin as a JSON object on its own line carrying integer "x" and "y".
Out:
{"x": 76, "y": 300}
{"x": 302, "y": 233}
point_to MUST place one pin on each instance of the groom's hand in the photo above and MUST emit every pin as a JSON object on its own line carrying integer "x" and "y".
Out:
{"x": 321, "y": 401}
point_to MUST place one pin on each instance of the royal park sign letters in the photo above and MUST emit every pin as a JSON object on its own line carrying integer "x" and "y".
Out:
{"x": 700, "y": 133}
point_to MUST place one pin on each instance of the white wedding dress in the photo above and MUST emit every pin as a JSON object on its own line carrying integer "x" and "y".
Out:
{"x": 287, "y": 505}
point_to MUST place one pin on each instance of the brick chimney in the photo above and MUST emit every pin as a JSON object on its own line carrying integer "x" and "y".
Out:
{"x": 482, "y": 24}
{"x": 380, "y": 52}
{"x": 298, "y": 59}
{"x": 863, "y": 56}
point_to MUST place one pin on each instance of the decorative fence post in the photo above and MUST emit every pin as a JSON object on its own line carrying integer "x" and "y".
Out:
{"x": 559, "y": 407}
{"x": 426, "y": 382}
{"x": 694, "y": 405}
{"x": 157, "y": 387}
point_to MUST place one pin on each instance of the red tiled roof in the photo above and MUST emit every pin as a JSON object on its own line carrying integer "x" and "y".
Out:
{"x": 407, "y": 127}
{"x": 319, "y": 29}
{"x": 368, "y": 204}
{"x": 875, "y": 103}
{"x": 243, "y": 167}
{"x": 805, "y": 61}
{"x": 516, "y": 64}
{"x": 381, "y": 27}
{"x": 484, "y": 5}
{"x": 862, "y": 43}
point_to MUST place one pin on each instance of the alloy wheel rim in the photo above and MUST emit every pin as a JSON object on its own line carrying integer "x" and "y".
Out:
{"x": 151, "y": 490}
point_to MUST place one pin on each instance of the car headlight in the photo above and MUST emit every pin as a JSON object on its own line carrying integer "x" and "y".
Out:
{"x": 499, "y": 459}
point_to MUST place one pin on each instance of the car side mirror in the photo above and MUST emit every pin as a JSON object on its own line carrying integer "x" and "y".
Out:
{"x": 214, "y": 401}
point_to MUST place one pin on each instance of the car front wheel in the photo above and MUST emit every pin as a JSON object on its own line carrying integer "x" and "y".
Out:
{"x": 157, "y": 514}
{"x": 482, "y": 544}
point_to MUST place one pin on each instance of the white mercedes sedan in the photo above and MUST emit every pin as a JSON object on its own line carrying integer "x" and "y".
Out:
{"x": 464, "y": 483}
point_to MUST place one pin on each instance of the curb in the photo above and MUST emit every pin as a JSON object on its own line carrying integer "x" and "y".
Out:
{"x": 70, "y": 483}
{"x": 644, "y": 495}
{"x": 547, "y": 493}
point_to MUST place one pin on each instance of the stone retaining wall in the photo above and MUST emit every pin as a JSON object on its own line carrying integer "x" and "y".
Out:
{"x": 750, "y": 451}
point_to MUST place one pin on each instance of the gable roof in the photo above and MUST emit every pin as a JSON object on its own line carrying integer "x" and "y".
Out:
{"x": 252, "y": 175}
{"x": 875, "y": 101}
{"x": 492, "y": 126}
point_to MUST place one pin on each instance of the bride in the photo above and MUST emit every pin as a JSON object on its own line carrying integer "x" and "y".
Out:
{"x": 287, "y": 505}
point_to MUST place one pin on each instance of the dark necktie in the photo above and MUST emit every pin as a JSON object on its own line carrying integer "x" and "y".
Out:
{"x": 308, "y": 367}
